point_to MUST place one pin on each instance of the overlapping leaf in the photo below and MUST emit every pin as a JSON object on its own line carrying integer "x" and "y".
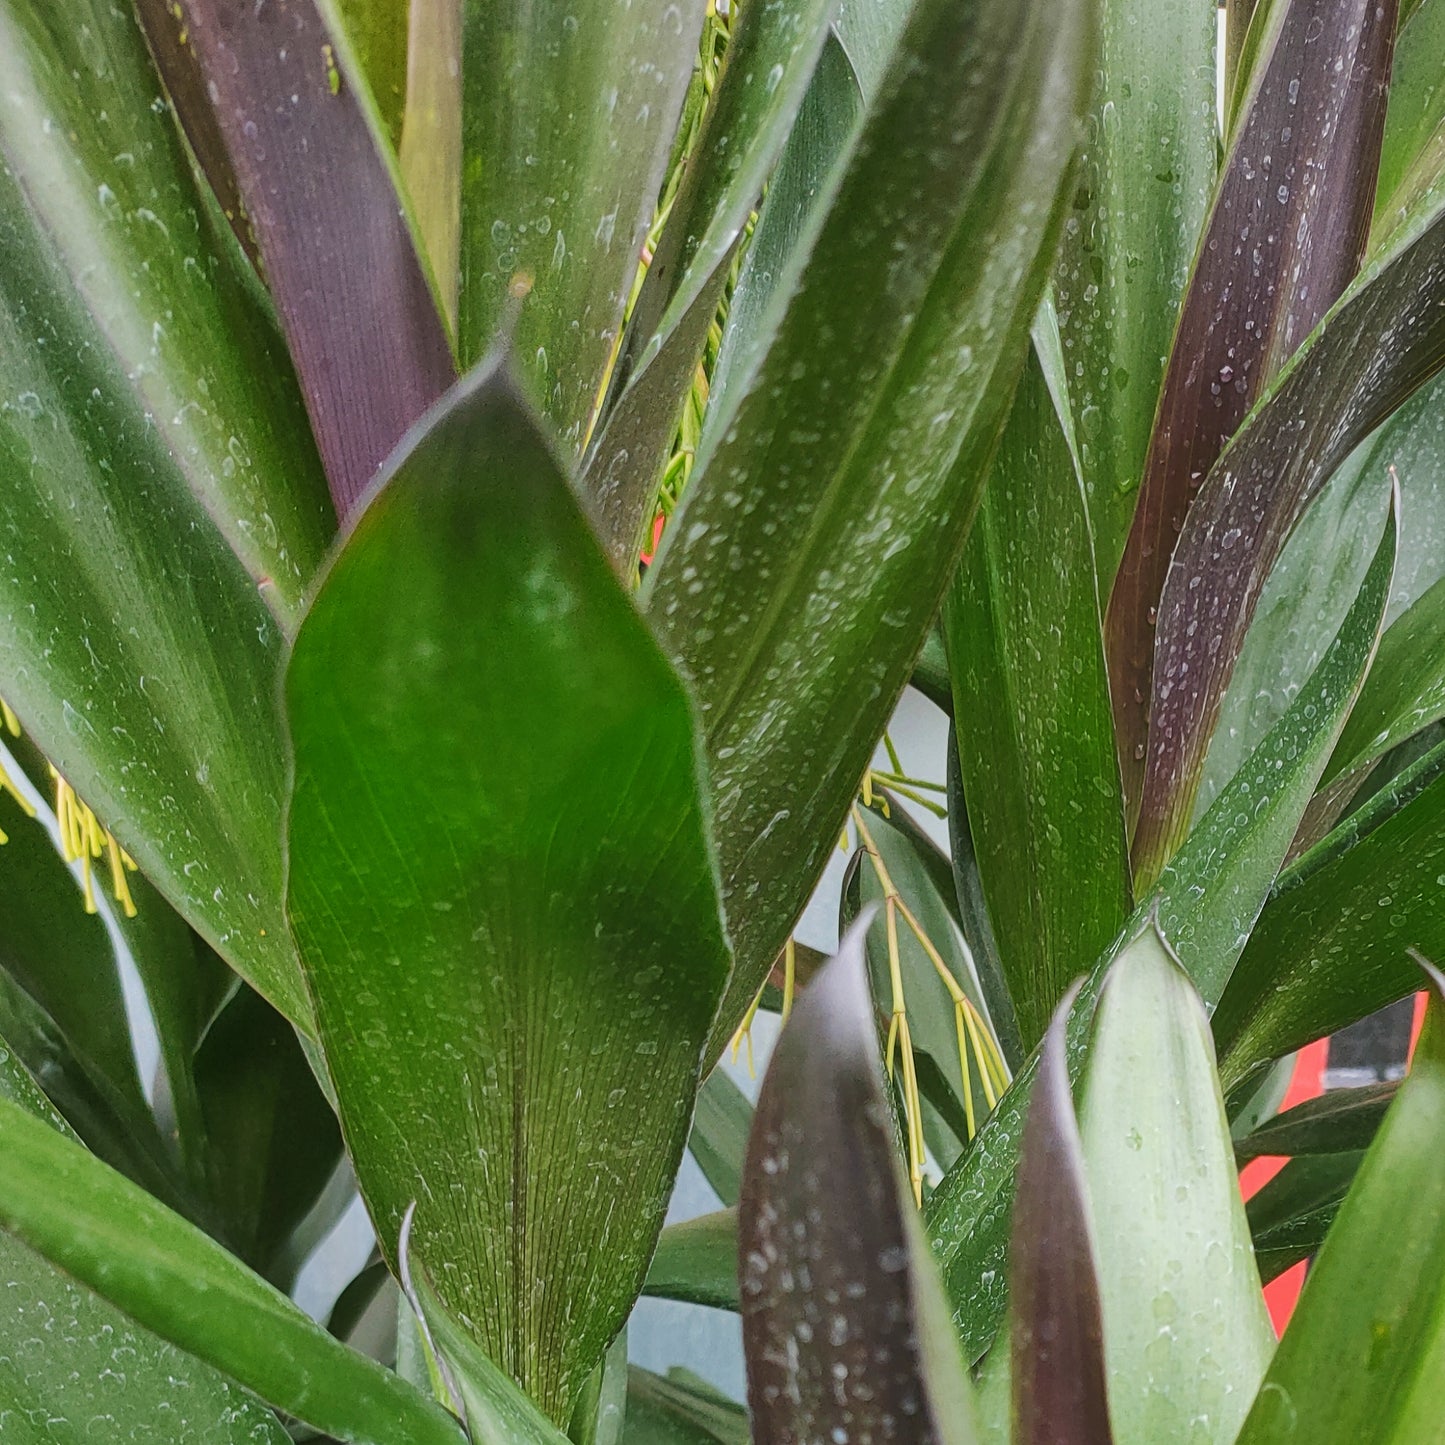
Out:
{"x": 504, "y": 946}
{"x": 841, "y": 482}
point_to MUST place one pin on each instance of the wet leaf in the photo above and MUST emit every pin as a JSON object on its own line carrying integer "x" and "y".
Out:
{"x": 843, "y": 1328}
{"x": 173, "y": 1280}
{"x": 949, "y": 198}
{"x": 150, "y": 427}
{"x": 1036, "y": 743}
{"x": 353, "y": 298}
{"x": 568, "y": 111}
{"x": 1292, "y": 1214}
{"x": 1373, "y": 1305}
{"x": 465, "y": 828}
{"x": 1141, "y": 196}
{"x": 1416, "y": 111}
{"x": 1059, "y": 1378}
{"x": 1186, "y": 1333}
{"x": 1338, "y": 1122}
{"x": 1284, "y": 238}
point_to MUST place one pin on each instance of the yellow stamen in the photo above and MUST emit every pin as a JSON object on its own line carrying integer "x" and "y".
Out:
{"x": 83, "y": 841}
{"x": 790, "y": 976}
{"x": 12, "y": 723}
{"x": 744, "y": 1034}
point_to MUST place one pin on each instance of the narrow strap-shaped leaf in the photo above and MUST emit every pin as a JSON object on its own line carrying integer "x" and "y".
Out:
{"x": 568, "y": 112}
{"x": 1142, "y": 192}
{"x": 1329, "y": 948}
{"x": 864, "y": 1346}
{"x": 680, "y": 1409}
{"x": 1022, "y": 627}
{"x": 867, "y": 454}
{"x": 1417, "y": 108}
{"x": 1384, "y": 339}
{"x": 1374, "y": 1304}
{"x": 1186, "y": 1333}
{"x": 771, "y": 54}
{"x": 339, "y": 258}
{"x": 1285, "y": 237}
{"x": 1207, "y": 902}
{"x": 378, "y": 30}
{"x": 719, "y": 1135}
{"x": 149, "y": 430}
{"x": 1291, "y": 1216}
{"x": 1337, "y": 1122}
{"x": 697, "y": 1261}
{"x": 184, "y": 1287}
{"x": 1060, "y": 1382}
{"x": 503, "y": 947}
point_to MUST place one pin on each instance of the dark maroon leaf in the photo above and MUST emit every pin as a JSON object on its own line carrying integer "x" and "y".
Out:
{"x": 1284, "y": 239}
{"x": 844, "y": 1331}
{"x": 354, "y": 302}
{"x": 1060, "y": 1387}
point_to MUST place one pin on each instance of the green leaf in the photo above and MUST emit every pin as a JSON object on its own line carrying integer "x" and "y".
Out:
{"x": 1339, "y": 1122}
{"x": 1057, "y": 1365}
{"x": 1373, "y": 1306}
{"x": 1417, "y": 106}
{"x": 1292, "y": 1214}
{"x": 1186, "y": 1333}
{"x": 697, "y": 1261}
{"x": 150, "y": 427}
{"x": 1285, "y": 237}
{"x": 173, "y": 1280}
{"x": 1022, "y": 627}
{"x": 1206, "y": 903}
{"x": 867, "y": 453}
{"x": 568, "y": 111}
{"x": 353, "y": 298}
{"x": 1141, "y": 196}
{"x": 719, "y": 1135}
{"x": 1329, "y": 947}
{"x": 378, "y": 33}
{"x": 867, "y": 1341}
{"x": 465, "y": 826}
{"x": 869, "y": 31}
{"x": 771, "y": 53}
{"x": 677, "y": 1410}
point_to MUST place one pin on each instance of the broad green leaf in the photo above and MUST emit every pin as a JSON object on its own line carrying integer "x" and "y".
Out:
{"x": 1291, "y": 1215}
{"x": 146, "y": 396}
{"x": 1186, "y": 1333}
{"x": 378, "y": 32}
{"x": 1057, "y": 1367}
{"x": 315, "y": 177}
{"x": 1373, "y": 1305}
{"x": 1337, "y": 1122}
{"x": 1417, "y": 105}
{"x": 697, "y": 1261}
{"x": 1284, "y": 238}
{"x": 677, "y": 1409}
{"x": 170, "y": 1278}
{"x": 869, "y": 31}
{"x": 1329, "y": 947}
{"x": 568, "y": 111}
{"x": 1142, "y": 192}
{"x": 719, "y": 1134}
{"x": 867, "y": 453}
{"x": 474, "y": 702}
{"x": 787, "y": 220}
{"x": 1383, "y": 340}
{"x": 771, "y": 53}
{"x": 866, "y": 1341}
{"x": 1035, "y": 738}
{"x": 1206, "y": 904}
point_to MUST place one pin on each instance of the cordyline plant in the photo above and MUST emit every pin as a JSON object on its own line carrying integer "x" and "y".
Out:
{"x": 353, "y": 354}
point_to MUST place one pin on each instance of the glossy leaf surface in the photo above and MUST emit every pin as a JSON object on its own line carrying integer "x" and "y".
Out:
{"x": 170, "y": 1278}
{"x": 1035, "y": 740}
{"x": 568, "y": 110}
{"x": 1284, "y": 238}
{"x": 470, "y": 650}
{"x": 868, "y": 453}
{"x": 697, "y": 1261}
{"x": 1207, "y": 902}
{"x": 1141, "y": 196}
{"x": 719, "y": 1135}
{"x": 1292, "y": 1214}
{"x": 1417, "y": 105}
{"x": 866, "y": 1348}
{"x": 352, "y": 296}
{"x": 771, "y": 54}
{"x": 1186, "y": 1333}
{"x": 146, "y": 395}
{"x": 1339, "y": 1121}
{"x": 1373, "y": 1304}
{"x": 1058, "y": 1372}
{"x": 1330, "y": 946}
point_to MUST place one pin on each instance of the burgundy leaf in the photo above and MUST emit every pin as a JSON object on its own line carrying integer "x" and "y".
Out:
{"x": 337, "y": 253}
{"x": 1285, "y": 237}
